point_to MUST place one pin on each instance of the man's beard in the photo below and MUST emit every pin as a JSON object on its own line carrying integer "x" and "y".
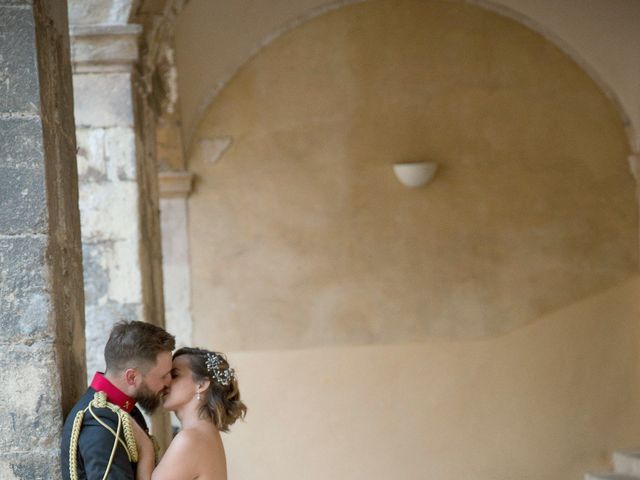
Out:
{"x": 147, "y": 399}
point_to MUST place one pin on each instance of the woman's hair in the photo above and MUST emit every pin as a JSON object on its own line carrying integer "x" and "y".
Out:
{"x": 222, "y": 399}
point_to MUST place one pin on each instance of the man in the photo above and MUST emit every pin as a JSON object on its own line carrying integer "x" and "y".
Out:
{"x": 138, "y": 370}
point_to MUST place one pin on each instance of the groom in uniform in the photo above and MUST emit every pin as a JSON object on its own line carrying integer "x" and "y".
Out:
{"x": 138, "y": 371}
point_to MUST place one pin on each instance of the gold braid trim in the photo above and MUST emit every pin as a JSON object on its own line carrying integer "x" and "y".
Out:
{"x": 124, "y": 425}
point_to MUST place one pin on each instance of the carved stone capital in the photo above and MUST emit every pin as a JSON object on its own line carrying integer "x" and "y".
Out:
{"x": 104, "y": 48}
{"x": 175, "y": 184}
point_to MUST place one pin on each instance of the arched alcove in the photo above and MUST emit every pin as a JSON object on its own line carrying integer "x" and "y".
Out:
{"x": 301, "y": 236}
{"x": 237, "y": 31}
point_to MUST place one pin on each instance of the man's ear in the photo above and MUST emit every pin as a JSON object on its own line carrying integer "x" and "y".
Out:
{"x": 130, "y": 375}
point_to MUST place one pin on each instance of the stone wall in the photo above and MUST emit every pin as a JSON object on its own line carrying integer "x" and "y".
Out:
{"x": 41, "y": 295}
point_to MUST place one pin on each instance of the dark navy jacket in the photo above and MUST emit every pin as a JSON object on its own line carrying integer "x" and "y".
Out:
{"x": 96, "y": 442}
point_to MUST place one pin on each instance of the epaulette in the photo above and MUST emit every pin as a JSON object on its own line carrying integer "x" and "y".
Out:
{"x": 124, "y": 426}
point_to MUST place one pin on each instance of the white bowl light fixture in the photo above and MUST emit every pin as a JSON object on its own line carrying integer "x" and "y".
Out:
{"x": 415, "y": 174}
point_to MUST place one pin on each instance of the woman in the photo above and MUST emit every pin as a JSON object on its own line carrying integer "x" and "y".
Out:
{"x": 204, "y": 395}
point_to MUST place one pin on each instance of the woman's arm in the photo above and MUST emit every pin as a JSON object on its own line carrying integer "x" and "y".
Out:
{"x": 146, "y": 453}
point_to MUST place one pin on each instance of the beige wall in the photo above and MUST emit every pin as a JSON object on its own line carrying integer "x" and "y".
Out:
{"x": 482, "y": 327}
{"x": 302, "y": 236}
{"x": 547, "y": 402}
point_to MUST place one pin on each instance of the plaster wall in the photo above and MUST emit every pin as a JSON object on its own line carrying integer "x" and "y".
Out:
{"x": 484, "y": 327}
{"x": 301, "y": 235}
{"x": 603, "y": 34}
{"x": 547, "y": 402}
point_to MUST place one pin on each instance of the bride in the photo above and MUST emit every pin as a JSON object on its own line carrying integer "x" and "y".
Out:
{"x": 205, "y": 397}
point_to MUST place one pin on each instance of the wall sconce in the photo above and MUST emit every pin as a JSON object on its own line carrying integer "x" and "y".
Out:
{"x": 415, "y": 174}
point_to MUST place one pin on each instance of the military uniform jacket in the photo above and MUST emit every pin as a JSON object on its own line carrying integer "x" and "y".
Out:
{"x": 96, "y": 443}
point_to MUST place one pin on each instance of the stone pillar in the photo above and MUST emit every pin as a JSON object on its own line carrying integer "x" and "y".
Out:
{"x": 119, "y": 200}
{"x": 117, "y": 189}
{"x": 41, "y": 296}
{"x": 174, "y": 190}
{"x": 174, "y": 180}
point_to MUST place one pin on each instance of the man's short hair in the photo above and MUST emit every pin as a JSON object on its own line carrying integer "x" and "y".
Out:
{"x": 136, "y": 344}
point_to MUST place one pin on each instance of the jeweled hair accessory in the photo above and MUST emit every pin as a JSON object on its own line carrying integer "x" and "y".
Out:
{"x": 215, "y": 367}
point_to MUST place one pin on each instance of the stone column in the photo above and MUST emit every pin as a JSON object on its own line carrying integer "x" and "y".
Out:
{"x": 175, "y": 183}
{"x": 117, "y": 222}
{"x": 41, "y": 296}
{"x": 174, "y": 190}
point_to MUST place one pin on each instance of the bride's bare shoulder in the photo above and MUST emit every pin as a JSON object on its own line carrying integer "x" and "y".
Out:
{"x": 194, "y": 452}
{"x": 206, "y": 446}
{"x": 196, "y": 438}
{"x": 180, "y": 461}
{"x": 182, "y": 445}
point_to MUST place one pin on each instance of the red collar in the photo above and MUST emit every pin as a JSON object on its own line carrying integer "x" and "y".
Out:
{"x": 114, "y": 394}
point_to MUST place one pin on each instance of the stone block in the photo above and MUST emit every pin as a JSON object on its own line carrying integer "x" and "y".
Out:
{"x": 17, "y": 3}
{"x": 99, "y": 12}
{"x": 30, "y": 411}
{"x": 22, "y": 204}
{"x": 36, "y": 465}
{"x": 112, "y": 273}
{"x": 91, "y": 164}
{"x": 175, "y": 265}
{"x": 22, "y": 207}
{"x": 96, "y": 275}
{"x": 19, "y": 90}
{"x": 109, "y": 211}
{"x": 24, "y": 296}
{"x": 123, "y": 263}
{"x": 175, "y": 184}
{"x": 627, "y": 462}
{"x": 106, "y": 154}
{"x": 100, "y": 45}
{"x": 103, "y": 100}
{"x": 21, "y": 143}
{"x": 120, "y": 153}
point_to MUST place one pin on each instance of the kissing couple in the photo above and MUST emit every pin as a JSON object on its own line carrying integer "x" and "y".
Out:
{"x": 105, "y": 436}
